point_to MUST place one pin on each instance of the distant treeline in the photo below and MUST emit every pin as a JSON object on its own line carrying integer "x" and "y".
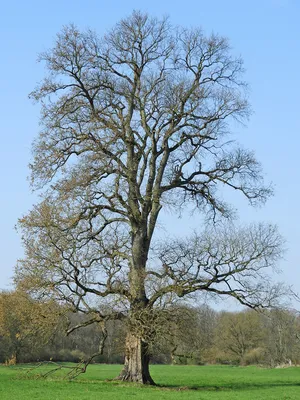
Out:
{"x": 32, "y": 330}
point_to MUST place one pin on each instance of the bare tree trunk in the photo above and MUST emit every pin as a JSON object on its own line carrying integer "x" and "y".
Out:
{"x": 173, "y": 358}
{"x": 136, "y": 366}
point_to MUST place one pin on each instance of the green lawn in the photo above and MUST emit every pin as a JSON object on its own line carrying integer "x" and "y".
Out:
{"x": 176, "y": 382}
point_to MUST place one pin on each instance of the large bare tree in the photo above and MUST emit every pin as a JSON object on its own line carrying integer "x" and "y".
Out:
{"x": 133, "y": 122}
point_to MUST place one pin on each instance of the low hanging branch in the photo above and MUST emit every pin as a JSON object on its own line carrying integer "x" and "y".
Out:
{"x": 81, "y": 367}
{"x": 73, "y": 371}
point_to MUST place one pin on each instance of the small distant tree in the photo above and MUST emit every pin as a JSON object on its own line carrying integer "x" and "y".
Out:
{"x": 132, "y": 123}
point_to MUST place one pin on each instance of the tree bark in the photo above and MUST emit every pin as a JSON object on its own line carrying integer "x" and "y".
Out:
{"x": 136, "y": 365}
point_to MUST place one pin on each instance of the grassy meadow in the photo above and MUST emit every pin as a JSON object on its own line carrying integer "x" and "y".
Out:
{"x": 175, "y": 382}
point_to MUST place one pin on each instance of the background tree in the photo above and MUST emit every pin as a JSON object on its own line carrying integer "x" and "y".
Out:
{"x": 239, "y": 333}
{"x": 189, "y": 337}
{"x": 281, "y": 331}
{"x": 134, "y": 122}
{"x": 26, "y": 325}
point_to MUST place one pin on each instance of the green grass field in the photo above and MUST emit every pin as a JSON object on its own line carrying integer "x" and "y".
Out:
{"x": 176, "y": 382}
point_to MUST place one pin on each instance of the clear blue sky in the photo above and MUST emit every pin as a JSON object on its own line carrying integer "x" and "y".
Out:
{"x": 266, "y": 33}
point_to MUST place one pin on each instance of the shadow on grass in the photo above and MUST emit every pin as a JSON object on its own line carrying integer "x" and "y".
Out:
{"x": 243, "y": 386}
{"x": 229, "y": 387}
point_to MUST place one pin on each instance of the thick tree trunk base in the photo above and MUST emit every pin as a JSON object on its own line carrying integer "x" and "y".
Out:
{"x": 128, "y": 376}
{"x": 136, "y": 366}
